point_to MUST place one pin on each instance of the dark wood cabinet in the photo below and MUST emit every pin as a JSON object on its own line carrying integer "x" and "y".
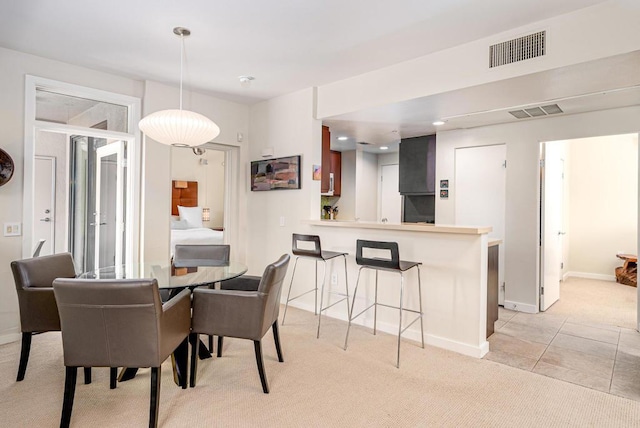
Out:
{"x": 331, "y": 164}
{"x": 418, "y": 165}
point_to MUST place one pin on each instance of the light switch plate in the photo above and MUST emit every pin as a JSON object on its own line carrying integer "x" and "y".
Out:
{"x": 282, "y": 221}
{"x": 12, "y": 229}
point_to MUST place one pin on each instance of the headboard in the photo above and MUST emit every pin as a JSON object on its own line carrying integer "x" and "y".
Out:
{"x": 183, "y": 193}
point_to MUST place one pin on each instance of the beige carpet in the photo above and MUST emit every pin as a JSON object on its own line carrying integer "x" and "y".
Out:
{"x": 319, "y": 385}
{"x": 602, "y": 302}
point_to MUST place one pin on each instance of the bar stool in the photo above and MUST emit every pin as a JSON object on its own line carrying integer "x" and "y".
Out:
{"x": 394, "y": 264}
{"x": 316, "y": 254}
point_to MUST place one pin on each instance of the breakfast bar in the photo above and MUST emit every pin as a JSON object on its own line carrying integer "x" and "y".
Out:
{"x": 453, "y": 273}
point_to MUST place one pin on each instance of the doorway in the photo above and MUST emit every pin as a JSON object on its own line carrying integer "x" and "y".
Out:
{"x": 390, "y": 198}
{"x": 44, "y": 203}
{"x": 588, "y": 216}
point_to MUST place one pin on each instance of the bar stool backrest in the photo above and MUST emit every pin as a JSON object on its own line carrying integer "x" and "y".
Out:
{"x": 377, "y": 262}
{"x": 316, "y": 252}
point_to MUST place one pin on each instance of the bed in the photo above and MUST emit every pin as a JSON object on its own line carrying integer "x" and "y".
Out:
{"x": 185, "y": 194}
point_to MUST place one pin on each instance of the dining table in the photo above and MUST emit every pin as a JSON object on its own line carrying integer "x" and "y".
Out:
{"x": 174, "y": 280}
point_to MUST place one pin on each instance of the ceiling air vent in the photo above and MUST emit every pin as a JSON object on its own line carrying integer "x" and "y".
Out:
{"x": 520, "y": 49}
{"x": 536, "y": 111}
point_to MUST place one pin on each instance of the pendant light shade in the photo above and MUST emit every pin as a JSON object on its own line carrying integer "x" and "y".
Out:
{"x": 179, "y": 127}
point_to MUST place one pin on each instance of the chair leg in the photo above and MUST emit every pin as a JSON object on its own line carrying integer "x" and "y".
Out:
{"x": 324, "y": 280}
{"x": 400, "y": 321}
{"x": 353, "y": 303}
{"x": 420, "y": 300}
{"x": 375, "y": 308}
{"x": 154, "y": 402}
{"x": 113, "y": 377}
{"x": 24, "y": 355}
{"x": 220, "y": 343}
{"x": 263, "y": 377}
{"x": 87, "y": 375}
{"x": 195, "y": 344}
{"x": 286, "y": 305}
{"x": 182, "y": 361}
{"x": 69, "y": 392}
{"x": 276, "y": 338}
{"x": 211, "y": 344}
{"x": 346, "y": 286}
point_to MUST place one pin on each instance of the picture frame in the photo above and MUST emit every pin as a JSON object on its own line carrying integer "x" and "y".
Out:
{"x": 317, "y": 172}
{"x": 276, "y": 174}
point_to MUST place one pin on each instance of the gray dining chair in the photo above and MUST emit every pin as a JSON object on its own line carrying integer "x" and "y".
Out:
{"x": 38, "y": 309}
{"x": 241, "y": 314}
{"x": 121, "y": 323}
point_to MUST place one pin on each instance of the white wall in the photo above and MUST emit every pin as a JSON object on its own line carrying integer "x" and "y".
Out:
{"x": 347, "y": 202}
{"x": 285, "y": 123}
{"x": 522, "y": 194}
{"x": 367, "y": 186}
{"x": 13, "y": 68}
{"x": 600, "y": 31}
{"x": 603, "y": 182}
{"x": 185, "y": 165}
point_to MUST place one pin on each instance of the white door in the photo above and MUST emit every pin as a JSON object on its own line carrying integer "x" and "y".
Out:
{"x": 109, "y": 208}
{"x": 390, "y": 198}
{"x": 44, "y": 203}
{"x": 480, "y": 194}
{"x": 552, "y": 174}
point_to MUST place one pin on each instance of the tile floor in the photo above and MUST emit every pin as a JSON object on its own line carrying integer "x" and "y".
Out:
{"x": 597, "y": 356}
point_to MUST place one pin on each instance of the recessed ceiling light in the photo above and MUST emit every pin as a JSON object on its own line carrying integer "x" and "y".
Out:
{"x": 438, "y": 122}
{"x": 384, "y": 148}
{"x": 343, "y": 138}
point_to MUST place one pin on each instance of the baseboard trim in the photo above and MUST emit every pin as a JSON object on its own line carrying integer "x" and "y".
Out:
{"x": 521, "y": 307}
{"x": 9, "y": 337}
{"x": 587, "y": 275}
{"x": 413, "y": 335}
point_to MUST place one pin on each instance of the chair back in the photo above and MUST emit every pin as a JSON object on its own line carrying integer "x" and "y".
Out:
{"x": 36, "y": 252}
{"x": 391, "y": 262}
{"x": 271, "y": 285}
{"x": 201, "y": 255}
{"x": 109, "y": 323}
{"x": 296, "y": 250}
{"x": 33, "y": 279}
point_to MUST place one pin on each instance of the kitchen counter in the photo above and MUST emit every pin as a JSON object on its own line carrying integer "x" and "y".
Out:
{"x": 412, "y": 227}
{"x": 453, "y": 272}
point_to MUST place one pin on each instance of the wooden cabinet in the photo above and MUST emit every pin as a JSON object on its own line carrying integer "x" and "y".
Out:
{"x": 331, "y": 164}
{"x": 418, "y": 165}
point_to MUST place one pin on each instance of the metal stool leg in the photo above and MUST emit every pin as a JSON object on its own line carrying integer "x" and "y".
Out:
{"x": 375, "y": 308}
{"x": 400, "y": 322}
{"x": 289, "y": 293}
{"x": 346, "y": 286}
{"x": 420, "y": 298}
{"x": 353, "y": 302}
{"x": 315, "y": 304}
{"x": 324, "y": 280}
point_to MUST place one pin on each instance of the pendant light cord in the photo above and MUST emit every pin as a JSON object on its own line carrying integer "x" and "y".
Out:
{"x": 181, "y": 65}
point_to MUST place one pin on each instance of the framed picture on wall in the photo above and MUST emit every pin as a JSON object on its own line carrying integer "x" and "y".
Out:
{"x": 276, "y": 174}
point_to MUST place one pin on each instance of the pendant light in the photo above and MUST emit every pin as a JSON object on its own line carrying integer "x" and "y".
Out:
{"x": 179, "y": 127}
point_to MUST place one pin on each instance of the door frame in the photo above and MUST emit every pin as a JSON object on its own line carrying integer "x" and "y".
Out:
{"x": 134, "y": 151}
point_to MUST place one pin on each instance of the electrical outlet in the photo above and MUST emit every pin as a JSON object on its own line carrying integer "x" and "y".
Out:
{"x": 334, "y": 278}
{"x": 12, "y": 229}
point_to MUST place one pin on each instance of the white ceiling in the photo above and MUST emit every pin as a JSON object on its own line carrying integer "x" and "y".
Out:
{"x": 290, "y": 45}
{"x": 287, "y": 45}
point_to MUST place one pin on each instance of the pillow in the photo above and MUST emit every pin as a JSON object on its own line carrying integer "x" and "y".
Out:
{"x": 193, "y": 215}
{"x": 179, "y": 224}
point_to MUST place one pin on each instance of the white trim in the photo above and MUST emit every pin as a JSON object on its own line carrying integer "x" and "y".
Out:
{"x": 134, "y": 152}
{"x": 521, "y": 307}
{"x": 588, "y": 275}
{"x": 9, "y": 337}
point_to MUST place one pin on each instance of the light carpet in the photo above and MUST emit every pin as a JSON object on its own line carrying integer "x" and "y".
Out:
{"x": 595, "y": 301}
{"x": 318, "y": 385}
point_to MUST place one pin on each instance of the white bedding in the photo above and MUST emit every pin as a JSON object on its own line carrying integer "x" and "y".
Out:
{"x": 195, "y": 236}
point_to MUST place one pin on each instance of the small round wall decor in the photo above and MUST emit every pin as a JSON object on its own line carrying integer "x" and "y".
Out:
{"x": 6, "y": 167}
